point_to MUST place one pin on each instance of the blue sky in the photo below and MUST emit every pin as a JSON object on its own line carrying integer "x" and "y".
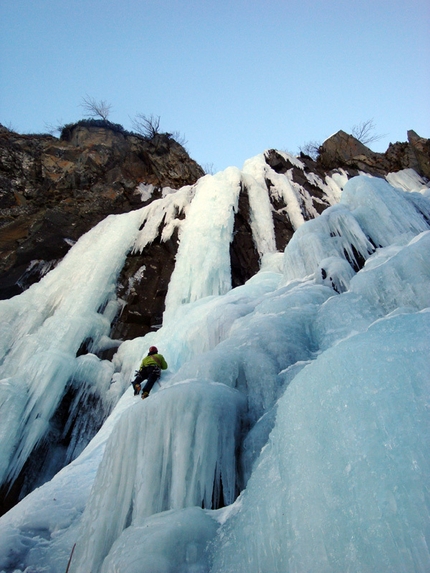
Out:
{"x": 233, "y": 77}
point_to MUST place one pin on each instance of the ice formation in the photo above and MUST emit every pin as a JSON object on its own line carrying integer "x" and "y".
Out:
{"x": 42, "y": 331}
{"x": 343, "y": 483}
{"x": 180, "y": 453}
{"x": 298, "y": 401}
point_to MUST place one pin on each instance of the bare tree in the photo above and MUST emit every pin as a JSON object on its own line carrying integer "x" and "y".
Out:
{"x": 96, "y": 108}
{"x": 148, "y": 126}
{"x": 209, "y": 168}
{"x": 364, "y": 132}
{"x": 53, "y": 128}
{"x": 311, "y": 148}
{"x": 179, "y": 138}
{"x": 8, "y": 127}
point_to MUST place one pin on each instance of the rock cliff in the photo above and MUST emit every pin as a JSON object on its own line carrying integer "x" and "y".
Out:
{"x": 343, "y": 150}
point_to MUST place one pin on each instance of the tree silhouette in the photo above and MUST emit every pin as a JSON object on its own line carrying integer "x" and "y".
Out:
{"x": 96, "y": 108}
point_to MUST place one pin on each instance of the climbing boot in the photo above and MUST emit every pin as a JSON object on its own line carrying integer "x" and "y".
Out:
{"x": 145, "y": 395}
{"x": 136, "y": 389}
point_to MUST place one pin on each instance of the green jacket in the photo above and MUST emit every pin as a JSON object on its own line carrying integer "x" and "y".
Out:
{"x": 154, "y": 360}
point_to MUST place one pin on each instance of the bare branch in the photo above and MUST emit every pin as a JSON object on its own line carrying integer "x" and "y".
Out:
{"x": 311, "y": 148}
{"x": 148, "y": 126}
{"x": 209, "y": 168}
{"x": 179, "y": 138}
{"x": 363, "y": 131}
{"x": 96, "y": 108}
{"x": 53, "y": 128}
{"x": 8, "y": 127}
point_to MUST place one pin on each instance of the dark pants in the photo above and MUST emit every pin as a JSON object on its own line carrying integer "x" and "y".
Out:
{"x": 149, "y": 373}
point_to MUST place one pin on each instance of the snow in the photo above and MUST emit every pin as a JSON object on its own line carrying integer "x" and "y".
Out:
{"x": 145, "y": 191}
{"x": 298, "y": 400}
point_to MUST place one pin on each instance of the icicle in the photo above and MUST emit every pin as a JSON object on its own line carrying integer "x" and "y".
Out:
{"x": 335, "y": 233}
{"x": 180, "y": 452}
{"x": 385, "y": 214}
{"x": 44, "y": 328}
{"x": 203, "y": 260}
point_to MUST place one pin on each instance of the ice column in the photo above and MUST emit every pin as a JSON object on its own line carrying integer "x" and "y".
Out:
{"x": 203, "y": 259}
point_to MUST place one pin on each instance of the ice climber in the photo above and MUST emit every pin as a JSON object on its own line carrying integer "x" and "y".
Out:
{"x": 150, "y": 370}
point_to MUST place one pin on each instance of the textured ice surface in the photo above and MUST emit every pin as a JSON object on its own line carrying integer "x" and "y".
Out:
{"x": 42, "y": 331}
{"x": 169, "y": 542}
{"x": 307, "y": 388}
{"x": 172, "y": 451}
{"x": 343, "y": 483}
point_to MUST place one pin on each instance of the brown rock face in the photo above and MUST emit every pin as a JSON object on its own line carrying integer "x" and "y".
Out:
{"x": 142, "y": 286}
{"x": 54, "y": 190}
{"x": 420, "y": 148}
{"x": 344, "y": 150}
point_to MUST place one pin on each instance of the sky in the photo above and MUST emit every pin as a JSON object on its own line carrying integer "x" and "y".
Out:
{"x": 233, "y": 77}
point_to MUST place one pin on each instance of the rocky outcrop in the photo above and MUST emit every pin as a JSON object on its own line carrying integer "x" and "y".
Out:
{"x": 142, "y": 286}
{"x": 419, "y": 150}
{"x": 344, "y": 150}
{"x": 54, "y": 190}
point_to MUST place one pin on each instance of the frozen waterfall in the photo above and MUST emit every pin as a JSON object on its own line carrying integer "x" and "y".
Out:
{"x": 291, "y": 430}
